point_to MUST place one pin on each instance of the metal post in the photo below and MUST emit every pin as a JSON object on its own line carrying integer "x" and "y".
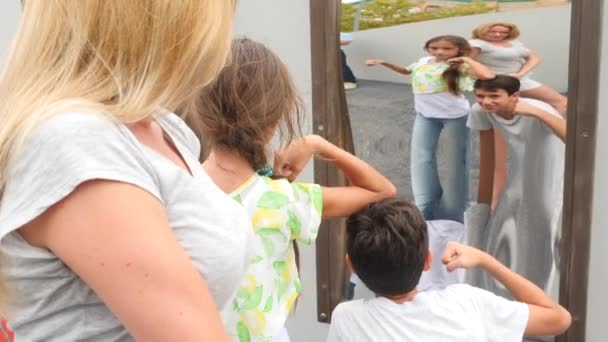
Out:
{"x": 358, "y": 17}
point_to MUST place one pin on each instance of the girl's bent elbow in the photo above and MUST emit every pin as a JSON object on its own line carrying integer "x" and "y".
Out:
{"x": 391, "y": 191}
{"x": 564, "y": 322}
{"x": 488, "y": 76}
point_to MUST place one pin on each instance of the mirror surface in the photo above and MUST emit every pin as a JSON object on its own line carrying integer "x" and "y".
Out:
{"x": 524, "y": 225}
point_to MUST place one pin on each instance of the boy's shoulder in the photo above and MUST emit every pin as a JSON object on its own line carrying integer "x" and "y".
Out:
{"x": 540, "y": 104}
{"x": 453, "y": 293}
{"x": 348, "y": 309}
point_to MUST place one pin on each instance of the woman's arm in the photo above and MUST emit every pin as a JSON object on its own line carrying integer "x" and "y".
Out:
{"x": 366, "y": 184}
{"x": 486, "y": 166}
{"x": 394, "y": 67}
{"x": 476, "y": 70}
{"x": 532, "y": 61}
{"x": 117, "y": 238}
{"x": 475, "y": 51}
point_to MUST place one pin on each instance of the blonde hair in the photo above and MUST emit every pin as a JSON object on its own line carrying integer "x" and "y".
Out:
{"x": 480, "y": 31}
{"x": 123, "y": 58}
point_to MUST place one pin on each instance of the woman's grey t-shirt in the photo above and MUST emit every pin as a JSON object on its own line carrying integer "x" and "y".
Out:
{"x": 49, "y": 301}
{"x": 502, "y": 60}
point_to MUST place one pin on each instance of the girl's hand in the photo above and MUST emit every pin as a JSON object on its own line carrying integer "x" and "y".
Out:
{"x": 525, "y": 109}
{"x": 291, "y": 160}
{"x": 372, "y": 62}
{"x": 457, "y": 256}
{"x": 517, "y": 75}
{"x": 459, "y": 60}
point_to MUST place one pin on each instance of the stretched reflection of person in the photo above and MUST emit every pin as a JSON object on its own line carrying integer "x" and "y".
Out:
{"x": 438, "y": 81}
{"x": 496, "y": 46}
{"x": 523, "y": 230}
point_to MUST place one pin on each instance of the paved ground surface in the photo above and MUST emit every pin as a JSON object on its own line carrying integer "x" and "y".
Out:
{"x": 382, "y": 116}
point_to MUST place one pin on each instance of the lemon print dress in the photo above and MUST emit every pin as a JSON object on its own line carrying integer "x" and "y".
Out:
{"x": 281, "y": 212}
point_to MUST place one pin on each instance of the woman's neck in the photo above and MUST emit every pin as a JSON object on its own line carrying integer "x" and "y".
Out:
{"x": 228, "y": 169}
{"x": 506, "y": 43}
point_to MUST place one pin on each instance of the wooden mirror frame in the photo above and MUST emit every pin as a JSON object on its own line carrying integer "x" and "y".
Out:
{"x": 331, "y": 120}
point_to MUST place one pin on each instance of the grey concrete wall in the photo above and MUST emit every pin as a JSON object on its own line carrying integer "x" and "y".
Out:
{"x": 285, "y": 27}
{"x": 597, "y": 300}
{"x": 11, "y": 12}
{"x": 544, "y": 30}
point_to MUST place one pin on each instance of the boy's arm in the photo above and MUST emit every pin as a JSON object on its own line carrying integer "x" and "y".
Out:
{"x": 546, "y": 318}
{"x": 556, "y": 123}
{"x": 394, "y": 67}
{"x": 486, "y": 166}
{"x": 366, "y": 184}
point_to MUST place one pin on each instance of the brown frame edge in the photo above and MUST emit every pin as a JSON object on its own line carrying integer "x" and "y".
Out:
{"x": 583, "y": 95}
{"x": 330, "y": 120}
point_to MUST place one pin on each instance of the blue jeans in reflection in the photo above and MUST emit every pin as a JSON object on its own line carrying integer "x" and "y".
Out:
{"x": 445, "y": 200}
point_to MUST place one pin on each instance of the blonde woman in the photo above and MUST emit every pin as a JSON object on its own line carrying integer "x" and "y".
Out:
{"x": 109, "y": 228}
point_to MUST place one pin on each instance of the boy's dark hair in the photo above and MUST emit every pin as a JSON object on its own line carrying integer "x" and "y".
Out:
{"x": 507, "y": 83}
{"x": 387, "y": 243}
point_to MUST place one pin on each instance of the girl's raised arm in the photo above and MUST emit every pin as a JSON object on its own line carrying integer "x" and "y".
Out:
{"x": 366, "y": 184}
{"x": 394, "y": 67}
{"x": 476, "y": 70}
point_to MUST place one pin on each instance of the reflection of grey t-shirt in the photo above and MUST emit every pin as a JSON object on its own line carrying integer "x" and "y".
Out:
{"x": 523, "y": 230}
{"x": 501, "y": 59}
{"x": 49, "y": 301}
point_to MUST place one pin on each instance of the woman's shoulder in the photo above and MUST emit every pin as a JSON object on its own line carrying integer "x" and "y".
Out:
{"x": 73, "y": 130}
{"x": 73, "y": 122}
{"x": 180, "y": 131}
{"x": 478, "y": 43}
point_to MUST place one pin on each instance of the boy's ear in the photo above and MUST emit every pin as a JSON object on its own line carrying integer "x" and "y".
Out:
{"x": 515, "y": 95}
{"x": 349, "y": 264}
{"x": 428, "y": 261}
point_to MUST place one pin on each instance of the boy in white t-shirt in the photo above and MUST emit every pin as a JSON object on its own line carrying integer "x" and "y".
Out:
{"x": 387, "y": 247}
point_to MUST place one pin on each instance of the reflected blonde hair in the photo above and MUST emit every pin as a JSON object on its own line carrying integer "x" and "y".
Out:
{"x": 123, "y": 58}
{"x": 480, "y": 31}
